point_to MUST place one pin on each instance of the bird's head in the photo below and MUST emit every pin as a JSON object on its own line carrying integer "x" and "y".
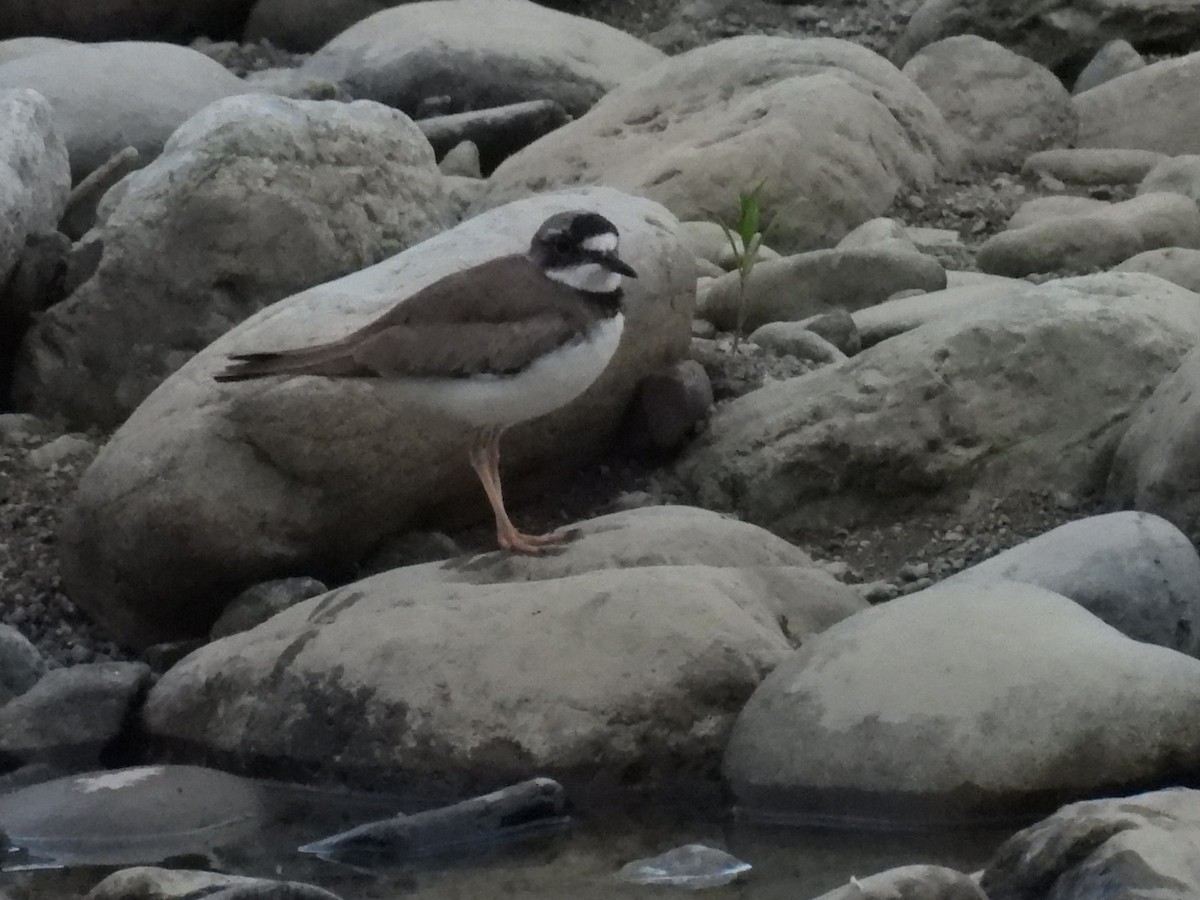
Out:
{"x": 579, "y": 249}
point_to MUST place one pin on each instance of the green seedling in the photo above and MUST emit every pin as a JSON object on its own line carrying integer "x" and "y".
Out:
{"x": 746, "y": 241}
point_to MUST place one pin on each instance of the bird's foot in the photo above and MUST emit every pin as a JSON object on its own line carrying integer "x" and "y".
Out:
{"x": 519, "y": 542}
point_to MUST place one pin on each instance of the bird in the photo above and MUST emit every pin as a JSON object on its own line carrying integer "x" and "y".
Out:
{"x": 490, "y": 346}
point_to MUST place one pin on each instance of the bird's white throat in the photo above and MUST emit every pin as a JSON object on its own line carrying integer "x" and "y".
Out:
{"x": 586, "y": 277}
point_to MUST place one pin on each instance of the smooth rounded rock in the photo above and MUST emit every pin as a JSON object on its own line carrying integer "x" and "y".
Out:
{"x": 255, "y": 492}
{"x": 916, "y": 882}
{"x": 1179, "y": 265}
{"x": 253, "y": 199}
{"x": 1143, "y": 110}
{"x": 1114, "y": 59}
{"x": 1003, "y": 105}
{"x": 831, "y": 130}
{"x": 114, "y": 95}
{"x": 958, "y": 704}
{"x": 1176, "y": 175}
{"x": 480, "y": 54}
{"x": 1136, "y": 571}
{"x": 793, "y": 339}
{"x": 1093, "y": 165}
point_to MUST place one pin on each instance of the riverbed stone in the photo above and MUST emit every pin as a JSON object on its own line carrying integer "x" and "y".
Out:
{"x": 1176, "y": 175}
{"x": 984, "y": 401}
{"x": 21, "y": 663}
{"x": 1114, "y": 59}
{"x": 1136, "y": 571}
{"x": 1093, "y": 165}
{"x": 109, "y": 96}
{"x": 915, "y": 882}
{"x": 793, "y": 339}
{"x": 1142, "y": 845}
{"x": 1091, "y": 240}
{"x": 1004, "y": 106}
{"x": 1143, "y": 110}
{"x": 640, "y": 666}
{"x": 255, "y": 493}
{"x": 155, "y": 883}
{"x": 253, "y": 199}
{"x": 71, "y": 715}
{"x": 898, "y": 315}
{"x": 1061, "y": 35}
{"x": 1155, "y": 468}
{"x": 807, "y": 284}
{"x": 497, "y": 132}
{"x": 480, "y": 54}
{"x": 1179, "y": 265}
{"x": 34, "y": 175}
{"x": 959, "y": 703}
{"x": 19, "y": 47}
{"x": 831, "y": 130}
{"x": 128, "y": 816}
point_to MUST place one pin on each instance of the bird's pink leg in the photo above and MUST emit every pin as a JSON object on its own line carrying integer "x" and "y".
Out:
{"x": 485, "y": 459}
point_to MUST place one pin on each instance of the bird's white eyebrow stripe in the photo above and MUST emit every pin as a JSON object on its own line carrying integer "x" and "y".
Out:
{"x": 601, "y": 243}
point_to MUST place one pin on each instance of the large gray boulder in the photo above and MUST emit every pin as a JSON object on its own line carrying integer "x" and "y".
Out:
{"x": 127, "y": 93}
{"x": 993, "y": 399}
{"x": 34, "y": 175}
{"x": 1059, "y": 34}
{"x": 1137, "y": 572}
{"x": 1179, "y": 265}
{"x": 962, "y": 702}
{"x": 1003, "y": 105}
{"x": 625, "y": 658}
{"x": 208, "y": 488}
{"x": 253, "y": 199}
{"x": 1138, "y": 846}
{"x": 454, "y": 55}
{"x": 1156, "y": 468}
{"x": 1155, "y": 108}
{"x": 832, "y": 130}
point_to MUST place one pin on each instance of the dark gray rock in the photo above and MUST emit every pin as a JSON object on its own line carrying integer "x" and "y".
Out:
{"x": 71, "y": 714}
{"x": 673, "y": 403}
{"x": 838, "y": 327}
{"x": 498, "y": 132}
{"x": 259, "y": 602}
{"x": 21, "y": 665}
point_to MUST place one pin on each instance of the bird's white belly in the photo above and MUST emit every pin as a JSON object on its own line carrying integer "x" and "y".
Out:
{"x": 550, "y": 382}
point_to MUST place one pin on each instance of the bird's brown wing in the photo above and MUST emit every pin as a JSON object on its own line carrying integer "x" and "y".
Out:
{"x": 495, "y": 318}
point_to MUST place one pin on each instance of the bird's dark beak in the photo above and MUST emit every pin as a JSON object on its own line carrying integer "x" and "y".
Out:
{"x": 616, "y": 264}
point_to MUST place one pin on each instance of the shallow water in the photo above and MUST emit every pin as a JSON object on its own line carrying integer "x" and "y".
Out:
{"x": 789, "y": 863}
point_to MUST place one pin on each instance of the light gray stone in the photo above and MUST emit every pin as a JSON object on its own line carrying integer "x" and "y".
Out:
{"x": 1155, "y": 108}
{"x": 710, "y": 242}
{"x": 1093, "y": 165}
{"x": 892, "y": 317}
{"x": 1136, "y": 571}
{"x": 1180, "y": 265}
{"x": 1156, "y": 468}
{"x": 259, "y": 602}
{"x": 254, "y": 492}
{"x": 461, "y": 159}
{"x": 497, "y": 132}
{"x": 1099, "y": 239}
{"x": 987, "y": 401}
{"x": 60, "y": 449}
{"x": 960, "y": 702}
{"x": 1059, "y": 34}
{"x": 832, "y": 131}
{"x": 480, "y": 53}
{"x": 1003, "y": 105}
{"x": 154, "y": 883}
{"x": 114, "y": 95}
{"x": 806, "y": 284}
{"x": 1055, "y": 206}
{"x": 20, "y": 47}
{"x": 917, "y": 882}
{"x": 253, "y": 199}
{"x": 793, "y": 339}
{"x": 876, "y": 232}
{"x": 1114, "y": 59}
{"x": 72, "y": 714}
{"x": 34, "y": 175}
{"x": 1142, "y": 846}
{"x": 615, "y": 658}
{"x": 1176, "y": 175}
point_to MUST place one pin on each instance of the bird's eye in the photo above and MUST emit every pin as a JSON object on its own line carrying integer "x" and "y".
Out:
{"x": 562, "y": 243}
